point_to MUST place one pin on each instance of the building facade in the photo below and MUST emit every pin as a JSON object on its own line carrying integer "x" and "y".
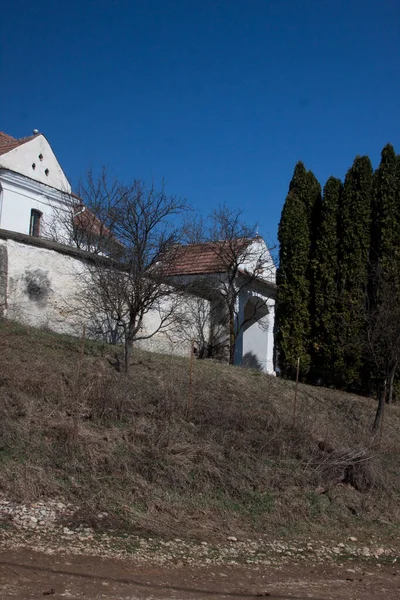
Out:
{"x": 40, "y": 280}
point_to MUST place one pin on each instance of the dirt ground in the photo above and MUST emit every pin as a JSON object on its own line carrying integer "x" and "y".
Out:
{"x": 27, "y": 575}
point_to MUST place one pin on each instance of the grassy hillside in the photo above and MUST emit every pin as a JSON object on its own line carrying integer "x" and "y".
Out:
{"x": 72, "y": 427}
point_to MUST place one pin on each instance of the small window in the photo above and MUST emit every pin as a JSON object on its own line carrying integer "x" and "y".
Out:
{"x": 47, "y": 172}
{"x": 40, "y": 156}
{"x": 33, "y": 166}
{"x": 34, "y": 226}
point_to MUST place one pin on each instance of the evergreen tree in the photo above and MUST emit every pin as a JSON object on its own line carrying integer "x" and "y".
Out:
{"x": 354, "y": 247}
{"x": 385, "y": 245}
{"x": 385, "y": 231}
{"x": 325, "y": 279}
{"x": 295, "y": 236}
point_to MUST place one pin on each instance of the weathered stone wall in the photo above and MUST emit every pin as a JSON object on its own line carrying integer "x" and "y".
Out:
{"x": 41, "y": 285}
{"x": 3, "y": 277}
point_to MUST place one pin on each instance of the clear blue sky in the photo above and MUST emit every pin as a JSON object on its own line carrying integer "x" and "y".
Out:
{"x": 220, "y": 97}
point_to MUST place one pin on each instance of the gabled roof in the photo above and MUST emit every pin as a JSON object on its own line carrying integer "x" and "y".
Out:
{"x": 87, "y": 222}
{"x": 204, "y": 258}
{"x": 8, "y": 143}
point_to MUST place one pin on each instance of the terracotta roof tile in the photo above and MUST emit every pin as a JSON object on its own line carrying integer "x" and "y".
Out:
{"x": 86, "y": 221}
{"x": 205, "y": 258}
{"x": 8, "y": 143}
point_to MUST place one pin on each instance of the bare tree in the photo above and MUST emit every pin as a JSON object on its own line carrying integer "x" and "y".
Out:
{"x": 129, "y": 230}
{"x": 237, "y": 259}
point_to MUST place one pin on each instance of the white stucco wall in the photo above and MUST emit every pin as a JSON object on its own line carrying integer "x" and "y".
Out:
{"x": 189, "y": 322}
{"x": 44, "y": 289}
{"x": 19, "y": 195}
{"x": 255, "y": 341}
{"x": 23, "y": 157}
{"x": 258, "y": 342}
{"x": 258, "y": 251}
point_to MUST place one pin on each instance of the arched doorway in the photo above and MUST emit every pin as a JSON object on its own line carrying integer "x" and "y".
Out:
{"x": 255, "y": 334}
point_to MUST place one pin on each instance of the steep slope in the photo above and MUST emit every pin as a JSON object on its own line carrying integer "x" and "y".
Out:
{"x": 72, "y": 427}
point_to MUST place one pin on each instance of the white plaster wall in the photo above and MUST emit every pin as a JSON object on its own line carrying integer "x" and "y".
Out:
{"x": 44, "y": 289}
{"x": 23, "y": 157}
{"x": 258, "y": 249}
{"x": 190, "y": 321}
{"x": 18, "y": 197}
{"x": 255, "y": 344}
{"x": 256, "y": 340}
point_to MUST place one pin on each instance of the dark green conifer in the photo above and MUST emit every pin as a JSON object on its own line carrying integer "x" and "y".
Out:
{"x": 354, "y": 247}
{"x": 295, "y": 234}
{"x": 384, "y": 254}
{"x": 325, "y": 282}
{"x": 385, "y": 231}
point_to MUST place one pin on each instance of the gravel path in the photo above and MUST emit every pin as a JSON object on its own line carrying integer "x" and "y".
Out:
{"x": 40, "y": 555}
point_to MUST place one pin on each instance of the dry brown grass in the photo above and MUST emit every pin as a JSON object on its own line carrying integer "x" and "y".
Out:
{"x": 126, "y": 445}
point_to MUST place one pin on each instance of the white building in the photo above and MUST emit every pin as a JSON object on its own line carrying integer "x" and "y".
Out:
{"x": 31, "y": 183}
{"x": 38, "y": 278}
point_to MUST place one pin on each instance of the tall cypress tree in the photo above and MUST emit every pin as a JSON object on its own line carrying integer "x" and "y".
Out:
{"x": 325, "y": 280}
{"x": 385, "y": 246}
{"x": 295, "y": 236}
{"x": 385, "y": 231}
{"x": 354, "y": 247}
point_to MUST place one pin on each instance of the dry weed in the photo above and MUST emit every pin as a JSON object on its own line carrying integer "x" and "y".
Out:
{"x": 126, "y": 444}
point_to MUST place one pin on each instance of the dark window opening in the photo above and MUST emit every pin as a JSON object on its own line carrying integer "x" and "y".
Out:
{"x": 40, "y": 156}
{"x": 34, "y": 226}
{"x": 33, "y": 166}
{"x": 47, "y": 171}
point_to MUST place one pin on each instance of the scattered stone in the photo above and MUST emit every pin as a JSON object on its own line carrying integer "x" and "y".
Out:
{"x": 45, "y": 523}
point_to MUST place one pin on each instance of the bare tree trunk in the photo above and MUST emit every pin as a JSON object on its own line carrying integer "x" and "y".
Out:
{"x": 232, "y": 339}
{"x": 380, "y": 409}
{"x": 391, "y": 384}
{"x": 128, "y": 347}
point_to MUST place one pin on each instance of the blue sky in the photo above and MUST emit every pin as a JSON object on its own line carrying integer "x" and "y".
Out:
{"x": 219, "y": 97}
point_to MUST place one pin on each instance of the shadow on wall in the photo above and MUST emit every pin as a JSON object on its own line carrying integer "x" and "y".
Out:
{"x": 250, "y": 361}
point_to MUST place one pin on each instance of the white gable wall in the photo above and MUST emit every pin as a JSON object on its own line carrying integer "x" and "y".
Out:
{"x": 23, "y": 157}
{"x": 258, "y": 249}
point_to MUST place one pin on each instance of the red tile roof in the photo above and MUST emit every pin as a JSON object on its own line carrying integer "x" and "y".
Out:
{"x": 94, "y": 232}
{"x": 8, "y": 143}
{"x": 87, "y": 222}
{"x": 205, "y": 258}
